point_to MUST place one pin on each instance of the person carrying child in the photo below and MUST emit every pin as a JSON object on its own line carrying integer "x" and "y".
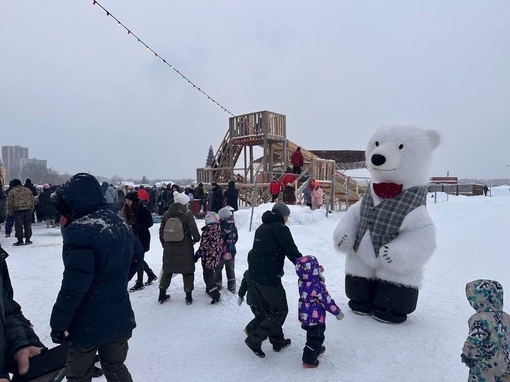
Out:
{"x": 211, "y": 247}
{"x": 486, "y": 350}
{"x": 229, "y": 231}
{"x": 246, "y": 289}
{"x": 314, "y": 301}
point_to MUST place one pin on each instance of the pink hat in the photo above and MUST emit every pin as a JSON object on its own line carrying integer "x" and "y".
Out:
{"x": 46, "y": 186}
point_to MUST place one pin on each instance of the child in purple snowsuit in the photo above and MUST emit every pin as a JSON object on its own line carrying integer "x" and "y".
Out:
{"x": 314, "y": 301}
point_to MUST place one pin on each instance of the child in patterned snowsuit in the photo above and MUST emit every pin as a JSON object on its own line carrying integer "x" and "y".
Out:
{"x": 487, "y": 348}
{"x": 211, "y": 247}
{"x": 314, "y": 301}
{"x": 229, "y": 230}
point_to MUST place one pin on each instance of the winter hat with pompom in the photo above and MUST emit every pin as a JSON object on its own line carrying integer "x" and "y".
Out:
{"x": 181, "y": 198}
{"x": 46, "y": 186}
{"x": 211, "y": 218}
{"x": 224, "y": 213}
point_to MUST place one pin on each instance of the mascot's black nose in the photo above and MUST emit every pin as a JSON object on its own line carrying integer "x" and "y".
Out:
{"x": 378, "y": 159}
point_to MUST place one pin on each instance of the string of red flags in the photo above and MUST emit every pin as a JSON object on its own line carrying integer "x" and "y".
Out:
{"x": 157, "y": 55}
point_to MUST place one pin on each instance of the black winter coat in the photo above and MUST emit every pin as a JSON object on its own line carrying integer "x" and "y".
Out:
{"x": 216, "y": 198}
{"x": 231, "y": 195}
{"x": 271, "y": 244}
{"x": 100, "y": 253}
{"x": 48, "y": 211}
{"x": 16, "y": 331}
{"x": 141, "y": 221}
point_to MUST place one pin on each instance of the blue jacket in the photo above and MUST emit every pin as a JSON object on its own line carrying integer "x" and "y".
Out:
{"x": 100, "y": 254}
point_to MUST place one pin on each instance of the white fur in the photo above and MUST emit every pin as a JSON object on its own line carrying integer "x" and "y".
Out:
{"x": 407, "y": 151}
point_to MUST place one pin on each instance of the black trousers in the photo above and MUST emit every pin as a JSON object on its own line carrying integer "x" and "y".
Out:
{"x": 80, "y": 362}
{"x": 273, "y": 301}
{"x": 143, "y": 267}
{"x": 314, "y": 339}
{"x": 23, "y": 224}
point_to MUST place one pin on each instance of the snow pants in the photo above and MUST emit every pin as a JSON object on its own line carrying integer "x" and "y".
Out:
{"x": 80, "y": 362}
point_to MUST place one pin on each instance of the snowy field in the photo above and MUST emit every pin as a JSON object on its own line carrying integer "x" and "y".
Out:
{"x": 203, "y": 342}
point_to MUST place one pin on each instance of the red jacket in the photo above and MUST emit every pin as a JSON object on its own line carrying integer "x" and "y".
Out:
{"x": 288, "y": 178}
{"x": 143, "y": 195}
{"x": 297, "y": 159}
{"x": 274, "y": 187}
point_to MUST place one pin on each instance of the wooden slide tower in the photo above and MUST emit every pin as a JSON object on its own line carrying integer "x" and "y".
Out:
{"x": 255, "y": 148}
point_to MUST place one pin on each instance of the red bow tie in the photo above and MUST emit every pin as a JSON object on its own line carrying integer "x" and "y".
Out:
{"x": 387, "y": 190}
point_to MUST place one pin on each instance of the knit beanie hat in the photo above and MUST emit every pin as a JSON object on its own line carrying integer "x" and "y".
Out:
{"x": 132, "y": 195}
{"x": 46, "y": 186}
{"x": 224, "y": 213}
{"x": 181, "y": 198}
{"x": 211, "y": 218}
{"x": 281, "y": 208}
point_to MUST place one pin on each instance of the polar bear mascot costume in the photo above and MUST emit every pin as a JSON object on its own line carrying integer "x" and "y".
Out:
{"x": 388, "y": 235}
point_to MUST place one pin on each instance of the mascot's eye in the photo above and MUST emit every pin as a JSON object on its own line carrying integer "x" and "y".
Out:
{"x": 377, "y": 143}
{"x": 400, "y": 147}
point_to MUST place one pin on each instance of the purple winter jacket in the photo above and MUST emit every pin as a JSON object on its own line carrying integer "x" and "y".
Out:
{"x": 314, "y": 299}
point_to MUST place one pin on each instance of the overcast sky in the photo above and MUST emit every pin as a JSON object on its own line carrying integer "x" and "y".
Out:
{"x": 80, "y": 92}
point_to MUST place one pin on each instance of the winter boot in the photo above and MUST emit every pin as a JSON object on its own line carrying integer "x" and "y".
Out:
{"x": 19, "y": 242}
{"x": 28, "y": 241}
{"x": 284, "y": 344}
{"x": 360, "y": 291}
{"x": 322, "y": 349}
{"x": 255, "y": 348}
{"x": 312, "y": 365}
{"x": 189, "y": 298}
{"x": 151, "y": 279}
{"x": 138, "y": 286}
{"x": 393, "y": 302}
{"x": 215, "y": 300}
{"x": 163, "y": 296}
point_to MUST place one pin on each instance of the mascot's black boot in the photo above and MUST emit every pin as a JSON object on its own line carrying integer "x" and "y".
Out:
{"x": 360, "y": 291}
{"x": 393, "y": 302}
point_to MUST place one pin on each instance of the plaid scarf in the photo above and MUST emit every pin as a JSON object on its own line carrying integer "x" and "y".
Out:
{"x": 384, "y": 221}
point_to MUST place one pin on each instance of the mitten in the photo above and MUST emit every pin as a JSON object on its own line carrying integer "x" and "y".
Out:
{"x": 197, "y": 256}
{"x": 58, "y": 337}
{"x": 240, "y": 300}
{"x": 467, "y": 361}
{"x": 322, "y": 278}
{"x": 339, "y": 316}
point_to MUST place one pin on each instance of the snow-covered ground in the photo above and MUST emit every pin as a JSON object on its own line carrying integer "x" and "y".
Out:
{"x": 203, "y": 342}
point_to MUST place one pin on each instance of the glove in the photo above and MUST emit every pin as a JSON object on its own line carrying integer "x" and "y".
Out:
{"x": 58, "y": 337}
{"x": 240, "y": 300}
{"x": 339, "y": 316}
{"x": 197, "y": 256}
{"x": 467, "y": 361}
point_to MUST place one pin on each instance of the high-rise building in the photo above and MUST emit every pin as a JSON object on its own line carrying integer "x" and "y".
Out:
{"x": 11, "y": 156}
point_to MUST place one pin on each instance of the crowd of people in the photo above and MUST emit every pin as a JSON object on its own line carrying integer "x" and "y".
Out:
{"x": 93, "y": 314}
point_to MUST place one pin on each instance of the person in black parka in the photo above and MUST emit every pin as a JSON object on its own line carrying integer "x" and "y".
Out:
{"x": 48, "y": 211}
{"x": 100, "y": 254}
{"x": 272, "y": 243}
{"x": 231, "y": 194}
{"x": 216, "y": 197}
{"x": 138, "y": 216}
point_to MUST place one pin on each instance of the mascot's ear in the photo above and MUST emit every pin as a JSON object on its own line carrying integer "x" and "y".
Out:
{"x": 434, "y": 138}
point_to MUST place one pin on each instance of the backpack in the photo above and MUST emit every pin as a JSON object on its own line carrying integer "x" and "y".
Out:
{"x": 173, "y": 231}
